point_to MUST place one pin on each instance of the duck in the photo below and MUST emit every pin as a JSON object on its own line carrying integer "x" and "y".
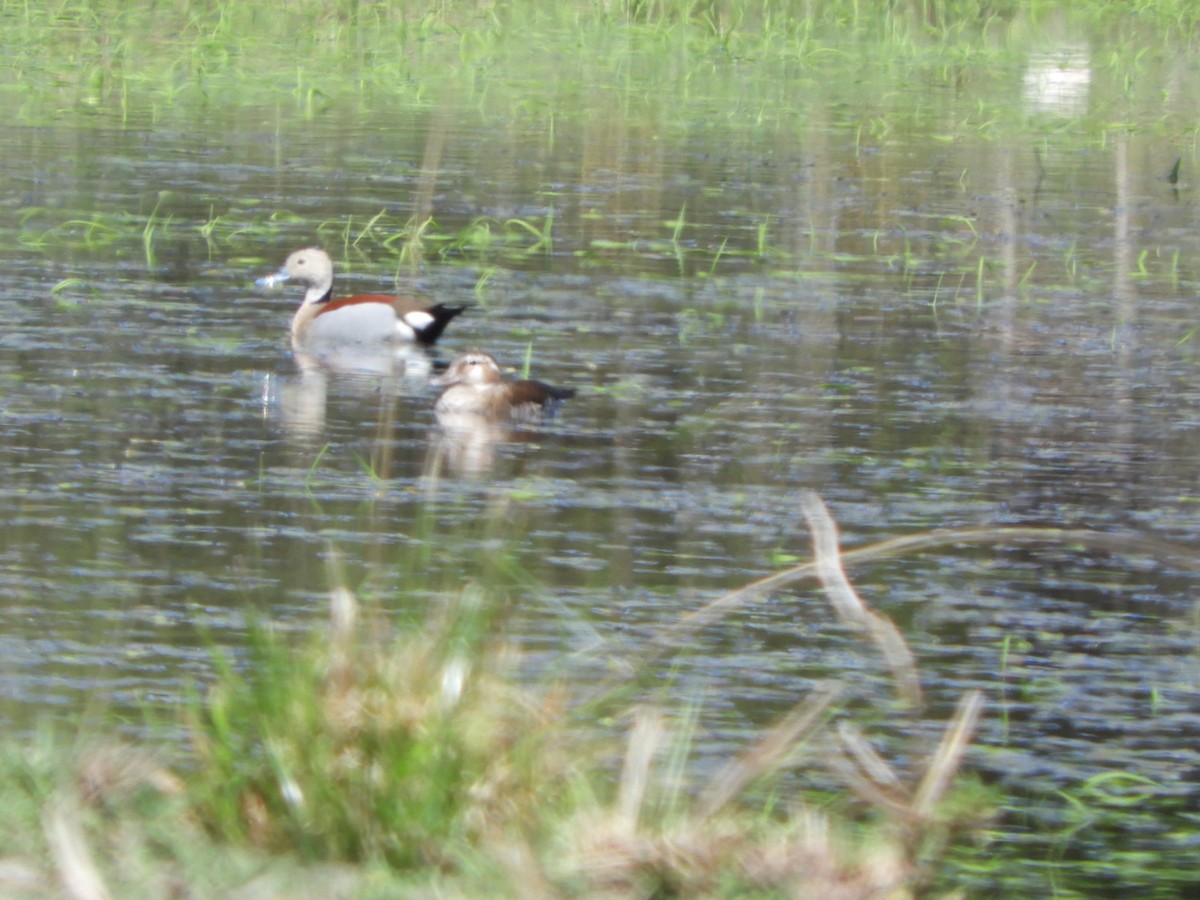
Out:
{"x": 475, "y": 391}
{"x": 362, "y": 318}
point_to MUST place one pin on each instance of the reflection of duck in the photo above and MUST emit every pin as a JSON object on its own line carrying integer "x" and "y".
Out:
{"x": 476, "y": 391}
{"x": 407, "y": 361}
{"x": 467, "y": 446}
{"x": 361, "y": 319}
{"x": 298, "y": 401}
{"x": 353, "y": 372}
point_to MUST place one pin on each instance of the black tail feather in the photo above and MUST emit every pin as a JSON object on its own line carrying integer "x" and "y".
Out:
{"x": 442, "y": 316}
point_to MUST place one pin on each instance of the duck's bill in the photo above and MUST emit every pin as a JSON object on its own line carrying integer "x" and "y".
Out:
{"x": 271, "y": 280}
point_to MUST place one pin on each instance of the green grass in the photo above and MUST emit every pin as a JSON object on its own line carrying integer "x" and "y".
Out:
{"x": 370, "y": 758}
{"x": 356, "y": 751}
{"x": 664, "y": 68}
{"x": 363, "y": 763}
{"x": 142, "y": 60}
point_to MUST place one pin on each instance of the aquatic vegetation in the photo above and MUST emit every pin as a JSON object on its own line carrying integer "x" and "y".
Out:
{"x": 102, "y": 54}
{"x": 148, "y": 232}
{"x": 166, "y": 65}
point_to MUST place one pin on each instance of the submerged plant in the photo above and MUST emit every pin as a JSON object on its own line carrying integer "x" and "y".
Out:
{"x": 149, "y": 229}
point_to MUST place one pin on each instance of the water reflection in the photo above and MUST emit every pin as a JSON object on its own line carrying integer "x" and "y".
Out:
{"x": 1058, "y": 80}
{"x": 299, "y": 401}
{"x": 467, "y": 445}
{"x": 404, "y": 362}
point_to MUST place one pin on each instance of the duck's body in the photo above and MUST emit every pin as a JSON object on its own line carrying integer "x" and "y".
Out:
{"x": 363, "y": 318}
{"x": 475, "y": 390}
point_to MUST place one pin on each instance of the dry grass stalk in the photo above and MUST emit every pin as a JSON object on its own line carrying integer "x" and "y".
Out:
{"x": 622, "y": 854}
{"x": 871, "y": 777}
{"x": 730, "y": 855}
{"x": 645, "y": 739}
{"x": 625, "y": 852}
{"x": 76, "y": 870}
{"x": 522, "y": 867}
{"x": 115, "y": 769}
{"x": 948, "y": 757}
{"x": 867, "y": 774}
{"x": 343, "y": 618}
{"x": 20, "y": 878}
{"x": 1122, "y": 544}
{"x": 827, "y": 558}
{"x": 812, "y": 864}
{"x": 771, "y": 752}
{"x": 869, "y": 762}
{"x": 850, "y": 607}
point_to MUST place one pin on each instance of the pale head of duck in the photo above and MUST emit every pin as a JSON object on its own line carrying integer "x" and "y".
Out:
{"x": 312, "y": 267}
{"x": 473, "y": 367}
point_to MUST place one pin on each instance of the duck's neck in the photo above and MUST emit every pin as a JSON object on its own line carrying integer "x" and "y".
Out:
{"x": 314, "y": 299}
{"x": 318, "y": 293}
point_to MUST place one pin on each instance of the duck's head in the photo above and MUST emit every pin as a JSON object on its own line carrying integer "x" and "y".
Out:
{"x": 473, "y": 367}
{"x": 311, "y": 266}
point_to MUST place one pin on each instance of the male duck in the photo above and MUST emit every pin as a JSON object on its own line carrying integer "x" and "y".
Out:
{"x": 363, "y": 318}
{"x": 475, "y": 390}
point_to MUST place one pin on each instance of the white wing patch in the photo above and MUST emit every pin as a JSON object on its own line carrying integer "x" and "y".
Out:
{"x": 418, "y": 320}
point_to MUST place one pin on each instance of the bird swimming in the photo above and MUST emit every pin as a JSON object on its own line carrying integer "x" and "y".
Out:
{"x": 362, "y": 318}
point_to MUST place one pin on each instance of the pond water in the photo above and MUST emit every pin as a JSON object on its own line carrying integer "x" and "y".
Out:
{"x": 969, "y": 300}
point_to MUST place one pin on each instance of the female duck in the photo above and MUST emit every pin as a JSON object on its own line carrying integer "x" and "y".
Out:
{"x": 476, "y": 390}
{"x": 363, "y": 318}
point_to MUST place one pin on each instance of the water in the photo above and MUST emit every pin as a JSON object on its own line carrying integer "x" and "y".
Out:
{"x": 744, "y": 317}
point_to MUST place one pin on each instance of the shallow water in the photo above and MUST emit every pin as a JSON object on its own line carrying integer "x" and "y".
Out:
{"x": 929, "y": 321}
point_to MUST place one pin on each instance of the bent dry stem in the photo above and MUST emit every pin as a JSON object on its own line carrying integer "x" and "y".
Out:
{"x": 673, "y": 637}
